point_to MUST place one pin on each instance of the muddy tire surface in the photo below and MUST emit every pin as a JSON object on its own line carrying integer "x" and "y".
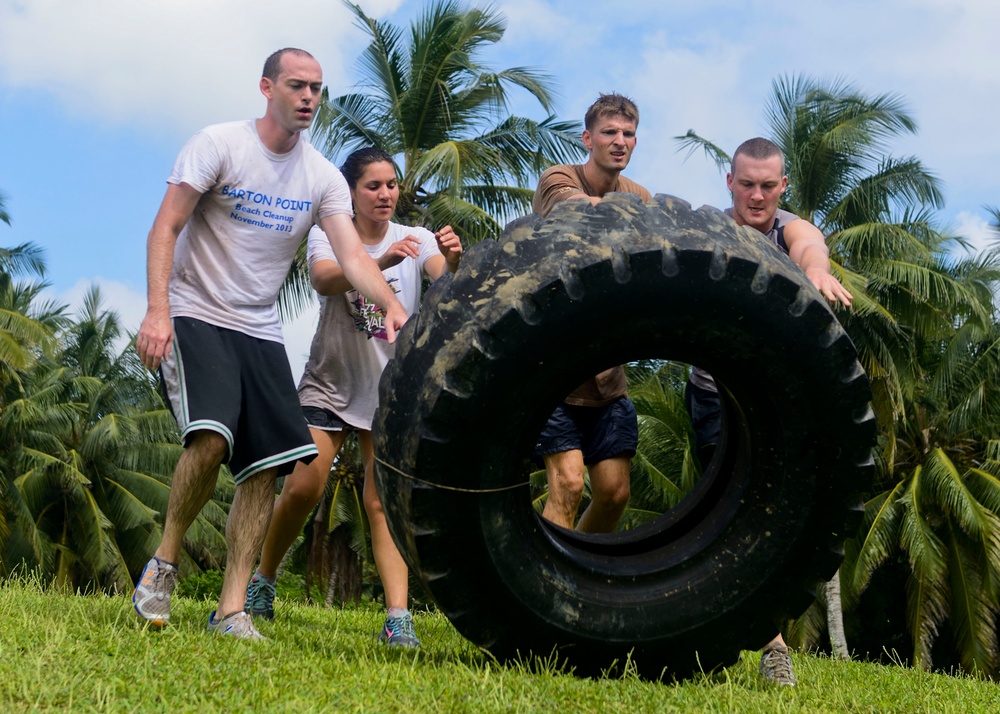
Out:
{"x": 526, "y": 319}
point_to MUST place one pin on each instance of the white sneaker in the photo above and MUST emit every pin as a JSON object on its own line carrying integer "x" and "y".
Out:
{"x": 151, "y": 598}
{"x": 776, "y": 666}
{"x": 238, "y": 625}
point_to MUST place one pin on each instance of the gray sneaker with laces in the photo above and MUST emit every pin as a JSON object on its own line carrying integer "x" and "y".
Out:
{"x": 260, "y": 597}
{"x": 238, "y": 625}
{"x": 151, "y": 598}
{"x": 776, "y": 667}
{"x": 398, "y": 631}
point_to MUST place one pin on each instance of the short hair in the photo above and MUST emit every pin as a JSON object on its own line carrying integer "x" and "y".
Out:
{"x": 611, "y": 105}
{"x": 354, "y": 165}
{"x": 760, "y": 149}
{"x": 272, "y": 65}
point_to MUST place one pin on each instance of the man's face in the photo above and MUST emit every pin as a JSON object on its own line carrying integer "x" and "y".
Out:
{"x": 611, "y": 142}
{"x": 756, "y": 185}
{"x": 295, "y": 94}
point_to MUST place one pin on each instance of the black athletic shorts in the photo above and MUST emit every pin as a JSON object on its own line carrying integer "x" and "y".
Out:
{"x": 240, "y": 387}
{"x": 704, "y": 406}
{"x": 599, "y": 432}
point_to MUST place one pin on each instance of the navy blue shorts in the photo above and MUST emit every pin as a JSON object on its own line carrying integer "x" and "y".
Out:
{"x": 599, "y": 432}
{"x": 705, "y": 409}
{"x": 240, "y": 387}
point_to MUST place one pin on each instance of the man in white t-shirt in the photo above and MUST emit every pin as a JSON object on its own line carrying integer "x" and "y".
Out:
{"x": 239, "y": 201}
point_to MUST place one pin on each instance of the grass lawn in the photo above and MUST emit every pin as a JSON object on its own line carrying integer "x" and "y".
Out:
{"x": 92, "y": 654}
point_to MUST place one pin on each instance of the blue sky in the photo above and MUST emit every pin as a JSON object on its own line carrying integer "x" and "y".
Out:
{"x": 96, "y": 98}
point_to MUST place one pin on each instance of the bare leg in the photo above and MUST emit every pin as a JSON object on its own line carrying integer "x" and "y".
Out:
{"x": 609, "y": 487}
{"x": 192, "y": 485}
{"x": 299, "y": 495}
{"x": 245, "y": 529}
{"x": 391, "y": 566}
{"x": 778, "y": 642}
{"x": 564, "y": 471}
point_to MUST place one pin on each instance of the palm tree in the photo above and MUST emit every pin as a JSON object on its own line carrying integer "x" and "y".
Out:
{"x": 24, "y": 322}
{"x": 427, "y": 99}
{"x": 27, "y": 330}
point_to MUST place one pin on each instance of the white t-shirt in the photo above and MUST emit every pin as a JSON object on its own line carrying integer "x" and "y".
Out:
{"x": 256, "y": 207}
{"x": 350, "y": 350}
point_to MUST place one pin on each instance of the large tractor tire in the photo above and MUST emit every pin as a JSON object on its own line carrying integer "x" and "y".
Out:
{"x": 523, "y": 322}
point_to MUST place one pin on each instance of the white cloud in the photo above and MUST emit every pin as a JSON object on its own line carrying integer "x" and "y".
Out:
{"x": 115, "y": 296}
{"x": 171, "y": 64}
{"x": 978, "y": 231}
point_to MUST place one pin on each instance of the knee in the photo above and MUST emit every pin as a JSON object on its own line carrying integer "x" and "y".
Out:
{"x": 614, "y": 495}
{"x": 211, "y": 444}
{"x": 373, "y": 504}
{"x": 304, "y": 488}
{"x": 568, "y": 482}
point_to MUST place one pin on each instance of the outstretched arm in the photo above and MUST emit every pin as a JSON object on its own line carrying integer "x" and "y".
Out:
{"x": 807, "y": 249}
{"x": 328, "y": 277}
{"x": 361, "y": 271}
{"x": 156, "y": 334}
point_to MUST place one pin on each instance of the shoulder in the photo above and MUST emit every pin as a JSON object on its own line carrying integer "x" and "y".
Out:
{"x": 627, "y": 185}
{"x": 785, "y": 217}
{"x": 319, "y": 163}
{"x": 227, "y": 133}
{"x": 560, "y": 172}
{"x": 555, "y": 184}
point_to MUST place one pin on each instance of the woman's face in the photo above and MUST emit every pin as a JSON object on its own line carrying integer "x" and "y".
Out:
{"x": 376, "y": 192}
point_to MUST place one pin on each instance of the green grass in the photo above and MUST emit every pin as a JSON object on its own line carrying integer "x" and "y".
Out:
{"x": 92, "y": 654}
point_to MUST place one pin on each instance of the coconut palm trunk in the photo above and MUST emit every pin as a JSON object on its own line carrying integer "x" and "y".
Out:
{"x": 835, "y": 618}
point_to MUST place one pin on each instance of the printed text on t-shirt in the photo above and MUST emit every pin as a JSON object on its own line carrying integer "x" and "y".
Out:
{"x": 254, "y": 208}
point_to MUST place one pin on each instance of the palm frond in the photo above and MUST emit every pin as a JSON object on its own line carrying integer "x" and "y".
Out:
{"x": 691, "y": 141}
{"x": 973, "y": 609}
{"x": 878, "y": 539}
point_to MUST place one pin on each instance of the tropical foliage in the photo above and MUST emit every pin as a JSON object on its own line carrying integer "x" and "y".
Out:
{"x": 426, "y": 97}
{"x": 665, "y": 467}
{"x": 87, "y": 449}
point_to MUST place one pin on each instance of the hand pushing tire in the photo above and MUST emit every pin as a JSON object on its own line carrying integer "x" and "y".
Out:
{"x": 525, "y": 320}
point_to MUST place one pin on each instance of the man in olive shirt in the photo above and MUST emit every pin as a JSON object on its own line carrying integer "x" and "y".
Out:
{"x": 596, "y": 424}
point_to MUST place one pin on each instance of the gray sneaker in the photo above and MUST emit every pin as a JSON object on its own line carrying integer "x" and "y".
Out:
{"x": 260, "y": 597}
{"x": 238, "y": 625}
{"x": 151, "y": 598}
{"x": 776, "y": 667}
{"x": 398, "y": 631}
